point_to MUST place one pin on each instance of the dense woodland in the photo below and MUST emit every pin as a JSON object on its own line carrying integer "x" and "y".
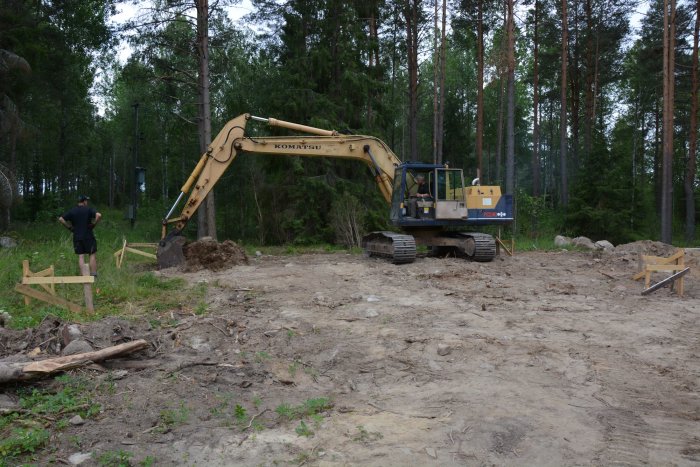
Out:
{"x": 585, "y": 110}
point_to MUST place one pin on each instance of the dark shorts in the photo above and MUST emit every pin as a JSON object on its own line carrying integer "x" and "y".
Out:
{"x": 87, "y": 246}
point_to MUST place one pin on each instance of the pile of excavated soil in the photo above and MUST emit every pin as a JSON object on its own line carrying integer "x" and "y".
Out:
{"x": 646, "y": 247}
{"x": 630, "y": 253}
{"x": 212, "y": 255}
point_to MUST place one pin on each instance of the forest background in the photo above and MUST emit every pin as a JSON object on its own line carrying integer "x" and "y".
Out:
{"x": 589, "y": 121}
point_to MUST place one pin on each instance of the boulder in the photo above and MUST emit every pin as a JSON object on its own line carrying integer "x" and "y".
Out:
{"x": 604, "y": 245}
{"x": 561, "y": 241}
{"x": 583, "y": 242}
{"x": 77, "y": 346}
{"x": 8, "y": 242}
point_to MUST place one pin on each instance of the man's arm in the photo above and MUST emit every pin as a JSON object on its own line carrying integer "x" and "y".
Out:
{"x": 65, "y": 223}
{"x": 95, "y": 220}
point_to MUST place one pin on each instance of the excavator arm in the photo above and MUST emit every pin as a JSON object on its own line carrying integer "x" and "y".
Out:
{"x": 232, "y": 141}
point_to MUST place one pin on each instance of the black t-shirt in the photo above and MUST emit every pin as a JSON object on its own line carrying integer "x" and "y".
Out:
{"x": 423, "y": 189}
{"x": 80, "y": 218}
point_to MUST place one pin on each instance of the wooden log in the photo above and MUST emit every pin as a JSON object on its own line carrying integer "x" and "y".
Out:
{"x": 23, "y": 371}
{"x": 143, "y": 245}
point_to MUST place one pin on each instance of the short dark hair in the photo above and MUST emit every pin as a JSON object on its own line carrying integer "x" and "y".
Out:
{"x": 82, "y": 198}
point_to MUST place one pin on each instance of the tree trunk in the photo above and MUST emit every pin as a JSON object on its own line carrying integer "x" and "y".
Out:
{"x": 690, "y": 169}
{"x": 667, "y": 159}
{"x": 436, "y": 67}
{"x": 479, "y": 87}
{"x": 499, "y": 130}
{"x": 574, "y": 92}
{"x": 373, "y": 64}
{"x": 411, "y": 8}
{"x": 563, "y": 119}
{"x": 510, "y": 121}
{"x": 207, "y": 212}
{"x": 590, "y": 78}
{"x": 443, "y": 68}
{"x": 535, "y": 111}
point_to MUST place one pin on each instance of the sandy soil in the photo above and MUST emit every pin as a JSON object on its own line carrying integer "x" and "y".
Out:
{"x": 539, "y": 359}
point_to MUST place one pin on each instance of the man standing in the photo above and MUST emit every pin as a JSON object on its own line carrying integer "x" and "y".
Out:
{"x": 81, "y": 220}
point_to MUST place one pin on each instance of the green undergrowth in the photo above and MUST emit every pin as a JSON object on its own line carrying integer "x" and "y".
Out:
{"x": 42, "y": 411}
{"x": 133, "y": 290}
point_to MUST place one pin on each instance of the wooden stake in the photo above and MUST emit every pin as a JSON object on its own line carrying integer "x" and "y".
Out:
{"x": 87, "y": 288}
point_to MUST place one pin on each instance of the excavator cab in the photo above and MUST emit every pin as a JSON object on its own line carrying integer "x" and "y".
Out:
{"x": 445, "y": 203}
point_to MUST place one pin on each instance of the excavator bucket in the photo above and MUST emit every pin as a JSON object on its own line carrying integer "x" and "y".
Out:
{"x": 170, "y": 252}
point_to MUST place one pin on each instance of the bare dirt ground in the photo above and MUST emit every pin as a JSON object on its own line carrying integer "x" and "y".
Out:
{"x": 538, "y": 359}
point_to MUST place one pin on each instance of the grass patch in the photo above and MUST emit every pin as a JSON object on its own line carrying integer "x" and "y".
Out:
{"x": 303, "y": 430}
{"x": 41, "y": 411}
{"x": 72, "y": 398}
{"x": 118, "y": 458}
{"x": 22, "y": 441}
{"x": 170, "y": 418}
{"x": 308, "y": 408}
{"x": 133, "y": 290}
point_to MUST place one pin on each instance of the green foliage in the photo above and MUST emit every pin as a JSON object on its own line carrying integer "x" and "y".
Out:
{"x": 118, "y": 458}
{"x": 67, "y": 396}
{"x": 303, "y": 430}
{"x": 170, "y": 418}
{"x": 534, "y": 219}
{"x": 71, "y": 397}
{"x": 240, "y": 414}
{"x": 22, "y": 441}
{"x": 308, "y": 408}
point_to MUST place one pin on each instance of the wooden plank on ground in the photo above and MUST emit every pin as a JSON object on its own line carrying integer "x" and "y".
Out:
{"x": 143, "y": 245}
{"x": 48, "y": 298}
{"x": 121, "y": 255}
{"x": 58, "y": 280}
{"x": 44, "y": 273}
{"x": 509, "y": 251}
{"x": 668, "y": 280}
{"x": 664, "y": 267}
{"x": 661, "y": 259}
{"x": 142, "y": 253}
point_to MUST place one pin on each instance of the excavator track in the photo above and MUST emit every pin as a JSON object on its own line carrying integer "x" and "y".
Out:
{"x": 400, "y": 248}
{"x": 483, "y": 248}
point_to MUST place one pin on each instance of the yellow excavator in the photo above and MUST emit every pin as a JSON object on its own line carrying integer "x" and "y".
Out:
{"x": 428, "y": 202}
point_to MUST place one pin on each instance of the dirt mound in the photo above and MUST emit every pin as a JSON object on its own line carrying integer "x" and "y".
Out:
{"x": 646, "y": 247}
{"x": 212, "y": 255}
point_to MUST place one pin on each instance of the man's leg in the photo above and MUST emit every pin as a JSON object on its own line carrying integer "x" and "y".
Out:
{"x": 93, "y": 264}
{"x": 81, "y": 262}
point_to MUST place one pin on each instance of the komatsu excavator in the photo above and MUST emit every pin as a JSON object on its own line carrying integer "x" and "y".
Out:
{"x": 431, "y": 218}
